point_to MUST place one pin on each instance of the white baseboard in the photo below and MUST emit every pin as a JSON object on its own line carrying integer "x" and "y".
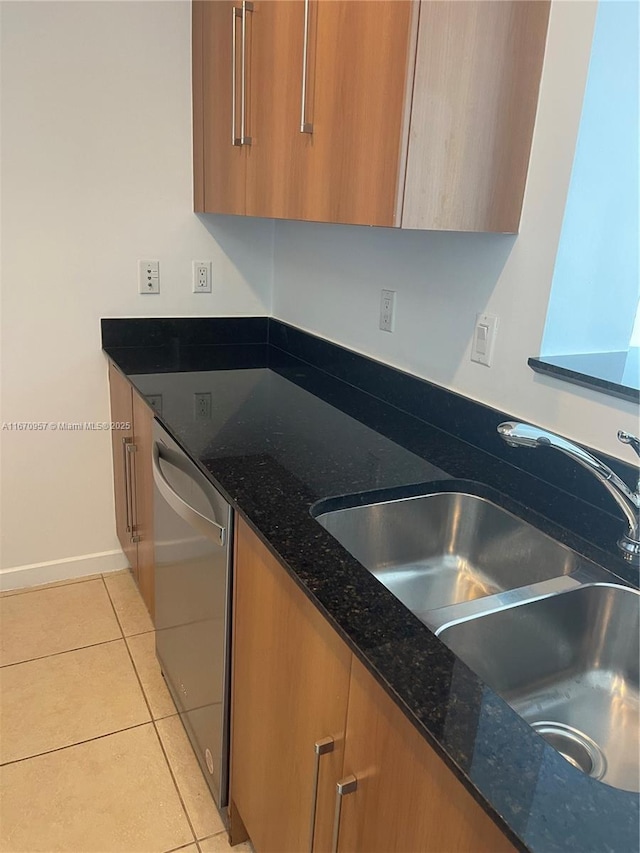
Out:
{"x": 68, "y": 568}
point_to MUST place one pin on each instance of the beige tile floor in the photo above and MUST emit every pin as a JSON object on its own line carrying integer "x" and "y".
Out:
{"x": 92, "y": 754}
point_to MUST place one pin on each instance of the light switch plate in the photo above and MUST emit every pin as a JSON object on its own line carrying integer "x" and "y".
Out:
{"x": 484, "y": 338}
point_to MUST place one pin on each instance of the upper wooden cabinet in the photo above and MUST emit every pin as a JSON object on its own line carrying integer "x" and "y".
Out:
{"x": 220, "y": 167}
{"x": 407, "y": 113}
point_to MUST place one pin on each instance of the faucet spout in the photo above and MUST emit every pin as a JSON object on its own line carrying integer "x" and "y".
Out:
{"x": 525, "y": 435}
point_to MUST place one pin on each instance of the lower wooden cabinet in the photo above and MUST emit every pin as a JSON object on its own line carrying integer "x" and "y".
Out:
{"x": 133, "y": 480}
{"x": 295, "y": 685}
{"x": 405, "y": 798}
{"x": 289, "y": 692}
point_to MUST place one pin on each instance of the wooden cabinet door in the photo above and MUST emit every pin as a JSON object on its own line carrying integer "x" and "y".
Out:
{"x": 219, "y": 165}
{"x": 275, "y": 158}
{"x": 143, "y": 498}
{"x": 133, "y": 481}
{"x": 477, "y": 76}
{"x": 289, "y": 690}
{"x": 406, "y": 798}
{"x": 122, "y": 413}
{"x": 361, "y": 55}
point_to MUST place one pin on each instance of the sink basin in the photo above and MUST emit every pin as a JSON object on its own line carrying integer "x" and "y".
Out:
{"x": 442, "y": 549}
{"x": 568, "y": 664}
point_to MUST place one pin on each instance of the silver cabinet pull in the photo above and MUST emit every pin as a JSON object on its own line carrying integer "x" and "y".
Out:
{"x": 131, "y": 450}
{"x": 244, "y": 139}
{"x": 211, "y": 529}
{"x": 128, "y": 449}
{"x": 345, "y": 786}
{"x": 235, "y": 13}
{"x": 305, "y": 126}
{"x": 320, "y": 747}
{"x": 127, "y": 499}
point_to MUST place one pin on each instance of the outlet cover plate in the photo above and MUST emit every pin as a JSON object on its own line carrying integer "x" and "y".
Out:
{"x": 387, "y": 310}
{"x": 202, "y": 276}
{"x": 202, "y": 406}
{"x": 149, "y": 277}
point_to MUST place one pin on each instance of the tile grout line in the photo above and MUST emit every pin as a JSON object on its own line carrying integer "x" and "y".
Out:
{"x": 153, "y": 722}
{"x": 63, "y": 652}
{"x": 75, "y": 648}
{"x": 71, "y": 745}
{"x": 175, "y": 781}
{"x": 44, "y": 587}
{"x": 183, "y": 847}
{"x": 106, "y": 586}
{"x": 113, "y": 607}
{"x": 215, "y": 835}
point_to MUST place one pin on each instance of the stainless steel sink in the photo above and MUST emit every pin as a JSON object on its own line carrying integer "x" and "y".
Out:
{"x": 443, "y": 549}
{"x": 568, "y": 664}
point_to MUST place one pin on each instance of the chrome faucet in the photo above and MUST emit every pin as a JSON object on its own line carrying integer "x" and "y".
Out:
{"x": 525, "y": 435}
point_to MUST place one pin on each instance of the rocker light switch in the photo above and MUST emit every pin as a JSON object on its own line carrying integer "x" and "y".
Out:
{"x": 484, "y": 339}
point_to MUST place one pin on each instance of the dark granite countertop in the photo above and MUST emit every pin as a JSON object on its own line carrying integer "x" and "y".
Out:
{"x": 284, "y": 434}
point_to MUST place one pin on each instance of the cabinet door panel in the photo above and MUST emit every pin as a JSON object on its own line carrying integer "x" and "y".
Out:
{"x": 361, "y": 55}
{"x": 275, "y": 159}
{"x": 477, "y": 76}
{"x": 197, "y": 102}
{"x": 122, "y": 412}
{"x": 406, "y": 797}
{"x": 223, "y": 164}
{"x": 290, "y": 688}
{"x": 143, "y": 439}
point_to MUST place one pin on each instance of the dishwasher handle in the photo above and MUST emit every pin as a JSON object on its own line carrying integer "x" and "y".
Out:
{"x": 211, "y": 529}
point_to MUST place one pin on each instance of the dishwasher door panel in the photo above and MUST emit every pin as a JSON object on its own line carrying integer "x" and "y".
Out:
{"x": 193, "y": 612}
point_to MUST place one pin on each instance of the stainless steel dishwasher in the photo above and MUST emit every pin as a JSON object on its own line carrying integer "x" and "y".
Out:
{"x": 193, "y": 536}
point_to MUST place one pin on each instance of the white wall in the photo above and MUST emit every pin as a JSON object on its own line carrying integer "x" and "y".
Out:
{"x": 96, "y": 173}
{"x": 328, "y": 278}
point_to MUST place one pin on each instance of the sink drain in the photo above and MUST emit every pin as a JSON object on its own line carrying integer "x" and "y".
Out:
{"x": 575, "y": 746}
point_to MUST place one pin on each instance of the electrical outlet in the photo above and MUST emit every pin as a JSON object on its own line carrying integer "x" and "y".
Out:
{"x": 148, "y": 276}
{"x": 202, "y": 406}
{"x": 387, "y": 310}
{"x": 202, "y": 276}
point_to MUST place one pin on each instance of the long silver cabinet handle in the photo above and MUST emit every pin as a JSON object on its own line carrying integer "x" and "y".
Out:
{"x": 345, "y": 786}
{"x": 126, "y": 442}
{"x": 235, "y": 13}
{"x": 128, "y": 449}
{"x": 211, "y": 529}
{"x": 131, "y": 451}
{"x": 320, "y": 747}
{"x": 247, "y": 6}
{"x": 305, "y": 126}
